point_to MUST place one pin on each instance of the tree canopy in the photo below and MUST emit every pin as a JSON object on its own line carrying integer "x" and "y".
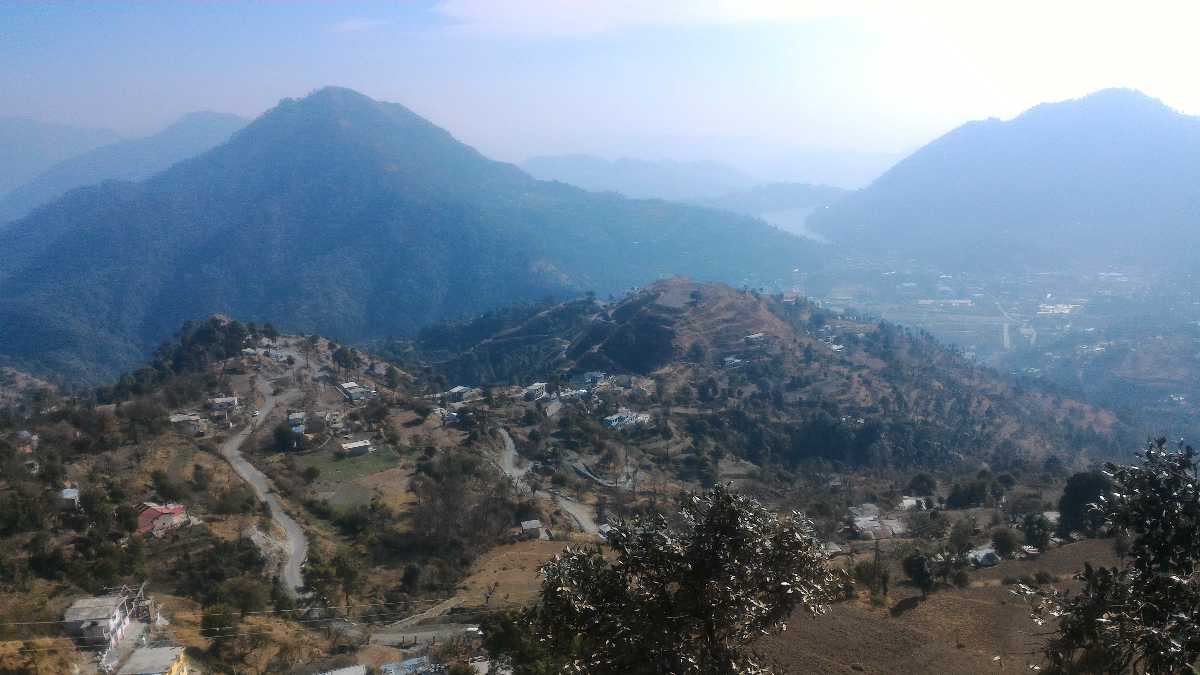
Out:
{"x": 679, "y": 597}
{"x": 1143, "y": 617}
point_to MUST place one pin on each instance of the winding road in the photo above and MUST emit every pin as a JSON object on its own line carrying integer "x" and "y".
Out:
{"x": 580, "y": 512}
{"x": 295, "y": 542}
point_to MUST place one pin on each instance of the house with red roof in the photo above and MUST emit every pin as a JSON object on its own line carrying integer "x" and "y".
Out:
{"x": 155, "y": 520}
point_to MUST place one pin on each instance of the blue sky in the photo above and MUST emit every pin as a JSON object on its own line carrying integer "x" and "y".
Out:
{"x": 723, "y": 79}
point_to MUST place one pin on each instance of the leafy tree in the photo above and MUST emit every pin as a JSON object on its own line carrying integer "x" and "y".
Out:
{"x": 962, "y": 536}
{"x": 509, "y": 635}
{"x": 916, "y": 566}
{"x": 1075, "y": 506}
{"x": 974, "y": 493}
{"x": 1037, "y": 530}
{"x": 311, "y": 474}
{"x": 1143, "y": 617}
{"x": 683, "y": 598}
{"x": 218, "y": 623}
{"x": 246, "y": 594}
{"x": 167, "y": 489}
{"x": 1006, "y": 542}
{"x": 922, "y": 484}
{"x": 931, "y": 525}
{"x": 200, "y": 479}
{"x": 286, "y": 440}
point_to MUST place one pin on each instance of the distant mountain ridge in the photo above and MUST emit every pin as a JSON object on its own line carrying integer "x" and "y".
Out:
{"x": 670, "y": 180}
{"x": 345, "y": 216}
{"x": 29, "y": 147}
{"x": 1108, "y": 179}
{"x": 130, "y": 160}
{"x": 773, "y": 197}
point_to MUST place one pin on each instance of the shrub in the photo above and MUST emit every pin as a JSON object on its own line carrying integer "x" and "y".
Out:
{"x": 1044, "y": 577}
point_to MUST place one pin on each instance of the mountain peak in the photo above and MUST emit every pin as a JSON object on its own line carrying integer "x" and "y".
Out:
{"x": 342, "y": 96}
{"x": 1105, "y": 104}
{"x": 1062, "y": 185}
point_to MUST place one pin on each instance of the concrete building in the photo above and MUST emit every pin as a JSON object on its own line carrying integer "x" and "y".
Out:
{"x": 70, "y": 498}
{"x": 533, "y": 529}
{"x": 355, "y": 448}
{"x": 225, "y": 403}
{"x": 535, "y": 391}
{"x": 354, "y": 391}
{"x": 156, "y": 661}
{"x": 100, "y": 621}
{"x": 349, "y": 670}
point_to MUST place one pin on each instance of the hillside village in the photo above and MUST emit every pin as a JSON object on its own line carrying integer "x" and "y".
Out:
{"x": 365, "y": 513}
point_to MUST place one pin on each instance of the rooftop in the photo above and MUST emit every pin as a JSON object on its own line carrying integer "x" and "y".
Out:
{"x": 151, "y": 661}
{"x": 350, "y": 670}
{"x": 94, "y": 608}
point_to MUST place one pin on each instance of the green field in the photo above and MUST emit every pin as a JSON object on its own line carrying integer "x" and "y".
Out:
{"x": 335, "y": 471}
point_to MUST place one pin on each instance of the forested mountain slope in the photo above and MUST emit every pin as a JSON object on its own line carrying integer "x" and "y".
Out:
{"x": 133, "y": 159}
{"x": 1108, "y": 179}
{"x": 28, "y": 147}
{"x": 345, "y": 216}
{"x": 778, "y": 380}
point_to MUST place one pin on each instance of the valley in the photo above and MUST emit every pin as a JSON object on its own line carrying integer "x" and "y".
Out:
{"x": 391, "y": 506}
{"x": 319, "y": 388}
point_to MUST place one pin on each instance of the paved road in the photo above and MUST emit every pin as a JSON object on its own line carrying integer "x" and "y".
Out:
{"x": 295, "y": 543}
{"x": 581, "y": 513}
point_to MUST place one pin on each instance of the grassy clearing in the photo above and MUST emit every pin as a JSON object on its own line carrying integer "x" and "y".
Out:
{"x": 335, "y": 471}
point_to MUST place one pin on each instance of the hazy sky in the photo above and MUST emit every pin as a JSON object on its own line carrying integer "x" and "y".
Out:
{"x": 649, "y": 78}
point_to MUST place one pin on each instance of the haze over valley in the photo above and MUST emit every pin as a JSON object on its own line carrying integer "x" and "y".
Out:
{"x": 470, "y": 337}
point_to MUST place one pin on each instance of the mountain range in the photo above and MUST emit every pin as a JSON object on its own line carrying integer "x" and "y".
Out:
{"x": 31, "y": 147}
{"x": 1105, "y": 180}
{"x": 346, "y": 216}
{"x": 129, "y": 160}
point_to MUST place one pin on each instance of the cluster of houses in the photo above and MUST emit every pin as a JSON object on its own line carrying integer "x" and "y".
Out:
{"x": 27, "y": 443}
{"x": 580, "y": 387}
{"x": 220, "y": 410}
{"x": 154, "y": 520}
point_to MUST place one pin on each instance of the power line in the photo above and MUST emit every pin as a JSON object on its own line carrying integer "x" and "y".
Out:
{"x": 75, "y": 647}
{"x": 264, "y": 611}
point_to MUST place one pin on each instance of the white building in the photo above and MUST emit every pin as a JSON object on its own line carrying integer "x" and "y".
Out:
{"x": 535, "y": 391}
{"x": 100, "y": 621}
{"x": 356, "y": 448}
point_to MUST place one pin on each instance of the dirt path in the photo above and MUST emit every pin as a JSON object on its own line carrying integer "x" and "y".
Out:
{"x": 580, "y": 512}
{"x": 295, "y": 543}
